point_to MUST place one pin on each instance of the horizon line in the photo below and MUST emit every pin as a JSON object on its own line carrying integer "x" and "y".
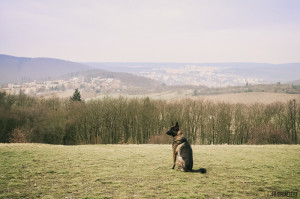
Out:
{"x": 152, "y": 62}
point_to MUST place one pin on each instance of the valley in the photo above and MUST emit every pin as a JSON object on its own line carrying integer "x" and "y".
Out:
{"x": 230, "y": 82}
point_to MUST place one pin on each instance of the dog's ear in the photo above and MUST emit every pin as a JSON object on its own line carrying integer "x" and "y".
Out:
{"x": 177, "y": 126}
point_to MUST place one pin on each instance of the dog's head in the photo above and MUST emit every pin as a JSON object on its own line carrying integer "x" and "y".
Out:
{"x": 174, "y": 130}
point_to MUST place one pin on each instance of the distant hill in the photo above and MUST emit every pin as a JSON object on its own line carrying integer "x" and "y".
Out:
{"x": 21, "y": 69}
{"x": 132, "y": 81}
{"x": 153, "y": 76}
{"x": 209, "y": 74}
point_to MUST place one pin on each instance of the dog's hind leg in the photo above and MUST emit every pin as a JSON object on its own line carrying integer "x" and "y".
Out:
{"x": 180, "y": 163}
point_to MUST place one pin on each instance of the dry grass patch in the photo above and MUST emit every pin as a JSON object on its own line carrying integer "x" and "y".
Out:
{"x": 251, "y": 98}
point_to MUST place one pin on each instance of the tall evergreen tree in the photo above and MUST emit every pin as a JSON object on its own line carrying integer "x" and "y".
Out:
{"x": 76, "y": 96}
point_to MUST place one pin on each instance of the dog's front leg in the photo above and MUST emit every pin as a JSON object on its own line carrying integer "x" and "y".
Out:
{"x": 174, "y": 159}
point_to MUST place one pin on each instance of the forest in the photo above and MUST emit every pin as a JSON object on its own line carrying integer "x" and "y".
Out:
{"x": 123, "y": 120}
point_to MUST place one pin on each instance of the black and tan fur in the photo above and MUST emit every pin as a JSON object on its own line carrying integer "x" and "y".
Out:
{"x": 182, "y": 151}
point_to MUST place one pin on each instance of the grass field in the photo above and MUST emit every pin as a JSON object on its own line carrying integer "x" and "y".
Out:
{"x": 250, "y": 98}
{"x": 232, "y": 98}
{"x": 143, "y": 171}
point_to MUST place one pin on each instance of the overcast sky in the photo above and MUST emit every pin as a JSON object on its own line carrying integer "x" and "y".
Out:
{"x": 152, "y": 30}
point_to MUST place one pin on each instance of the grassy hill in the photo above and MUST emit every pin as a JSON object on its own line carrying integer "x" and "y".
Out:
{"x": 143, "y": 171}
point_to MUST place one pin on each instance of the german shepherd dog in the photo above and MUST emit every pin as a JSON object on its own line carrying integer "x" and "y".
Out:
{"x": 182, "y": 151}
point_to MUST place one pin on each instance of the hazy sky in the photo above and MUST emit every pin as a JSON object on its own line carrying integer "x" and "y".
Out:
{"x": 152, "y": 30}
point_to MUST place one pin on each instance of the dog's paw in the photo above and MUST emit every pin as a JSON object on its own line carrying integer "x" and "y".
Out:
{"x": 173, "y": 167}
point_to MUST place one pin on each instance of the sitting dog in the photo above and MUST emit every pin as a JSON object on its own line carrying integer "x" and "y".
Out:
{"x": 182, "y": 151}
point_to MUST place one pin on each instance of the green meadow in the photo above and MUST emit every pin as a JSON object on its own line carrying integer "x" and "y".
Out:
{"x": 143, "y": 171}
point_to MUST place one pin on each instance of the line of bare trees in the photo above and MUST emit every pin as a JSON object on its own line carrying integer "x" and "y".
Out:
{"x": 143, "y": 120}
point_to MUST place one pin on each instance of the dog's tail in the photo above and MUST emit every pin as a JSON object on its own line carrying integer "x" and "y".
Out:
{"x": 201, "y": 170}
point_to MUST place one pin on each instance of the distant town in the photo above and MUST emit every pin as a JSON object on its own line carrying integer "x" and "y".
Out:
{"x": 97, "y": 85}
{"x": 195, "y": 75}
{"x": 193, "y": 79}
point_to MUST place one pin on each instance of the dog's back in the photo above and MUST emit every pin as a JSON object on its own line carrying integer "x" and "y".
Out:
{"x": 184, "y": 153}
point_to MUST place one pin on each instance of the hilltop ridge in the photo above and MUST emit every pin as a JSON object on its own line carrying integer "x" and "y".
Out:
{"x": 23, "y": 69}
